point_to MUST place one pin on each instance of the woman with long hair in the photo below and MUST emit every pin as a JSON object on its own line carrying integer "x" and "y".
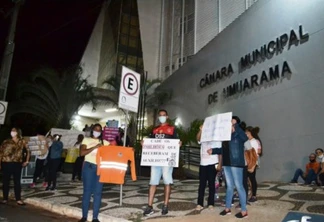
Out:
{"x": 11, "y": 162}
{"x": 233, "y": 164}
{"x": 253, "y": 142}
{"x": 91, "y": 184}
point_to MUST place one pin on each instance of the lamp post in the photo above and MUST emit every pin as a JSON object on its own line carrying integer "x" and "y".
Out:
{"x": 8, "y": 52}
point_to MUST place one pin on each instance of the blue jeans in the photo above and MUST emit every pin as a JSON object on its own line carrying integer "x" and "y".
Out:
{"x": 311, "y": 176}
{"x": 234, "y": 177}
{"x": 91, "y": 185}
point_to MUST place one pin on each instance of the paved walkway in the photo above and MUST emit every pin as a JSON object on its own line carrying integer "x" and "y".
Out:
{"x": 274, "y": 201}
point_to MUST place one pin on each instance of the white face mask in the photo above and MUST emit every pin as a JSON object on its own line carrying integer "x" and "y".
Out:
{"x": 321, "y": 156}
{"x": 162, "y": 119}
{"x": 96, "y": 134}
{"x": 13, "y": 134}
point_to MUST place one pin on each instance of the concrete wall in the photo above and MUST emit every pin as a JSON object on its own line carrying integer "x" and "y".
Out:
{"x": 91, "y": 56}
{"x": 288, "y": 110}
{"x": 149, "y": 13}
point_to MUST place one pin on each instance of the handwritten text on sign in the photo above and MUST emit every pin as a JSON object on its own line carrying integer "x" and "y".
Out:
{"x": 217, "y": 128}
{"x": 160, "y": 152}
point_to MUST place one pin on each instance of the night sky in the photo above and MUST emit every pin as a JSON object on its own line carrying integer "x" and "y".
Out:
{"x": 49, "y": 32}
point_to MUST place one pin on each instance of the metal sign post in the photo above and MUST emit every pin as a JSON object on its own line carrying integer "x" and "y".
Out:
{"x": 128, "y": 99}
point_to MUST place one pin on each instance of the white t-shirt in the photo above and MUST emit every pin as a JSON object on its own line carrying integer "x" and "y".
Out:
{"x": 205, "y": 158}
{"x": 249, "y": 144}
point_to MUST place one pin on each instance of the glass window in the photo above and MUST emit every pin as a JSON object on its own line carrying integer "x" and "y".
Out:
{"x": 134, "y": 32}
{"x": 125, "y": 18}
{"x": 122, "y": 58}
{"x": 125, "y": 28}
{"x": 124, "y": 39}
{"x": 140, "y": 63}
{"x": 134, "y": 21}
{"x": 131, "y": 60}
{"x": 132, "y": 42}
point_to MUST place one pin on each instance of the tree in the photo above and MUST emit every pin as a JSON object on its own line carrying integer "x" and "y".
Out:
{"x": 54, "y": 95}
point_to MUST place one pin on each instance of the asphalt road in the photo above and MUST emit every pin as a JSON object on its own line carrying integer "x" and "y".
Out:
{"x": 14, "y": 213}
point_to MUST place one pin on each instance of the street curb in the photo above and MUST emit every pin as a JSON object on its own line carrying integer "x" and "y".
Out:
{"x": 68, "y": 210}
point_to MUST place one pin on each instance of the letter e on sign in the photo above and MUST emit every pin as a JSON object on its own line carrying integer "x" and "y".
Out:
{"x": 129, "y": 90}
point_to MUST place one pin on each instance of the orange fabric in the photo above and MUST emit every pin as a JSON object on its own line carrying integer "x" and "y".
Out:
{"x": 251, "y": 158}
{"x": 315, "y": 166}
{"x": 112, "y": 162}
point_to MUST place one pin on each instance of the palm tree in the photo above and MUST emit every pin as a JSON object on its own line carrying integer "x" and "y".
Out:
{"x": 54, "y": 95}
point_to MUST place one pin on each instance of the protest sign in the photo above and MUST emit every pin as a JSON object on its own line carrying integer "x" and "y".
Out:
{"x": 160, "y": 152}
{"x": 110, "y": 133}
{"x": 217, "y": 128}
{"x": 205, "y": 158}
{"x": 37, "y": 145}
{"x": 69, "y": 137}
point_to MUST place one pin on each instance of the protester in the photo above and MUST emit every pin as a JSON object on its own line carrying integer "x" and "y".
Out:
{"x": 163, "y": 131}
{"x": 77, "y": 167}
{"x": 310, "y": 174}
{"x": 253, "y": 145}
{"x": 39, "y": 168}
{"x": 233, "y": 164}
{"x": 91, "y": 184}
{"x": 207, "y": 172}
{"x": 11, "y": 163}
{"x": 54, "y": 160}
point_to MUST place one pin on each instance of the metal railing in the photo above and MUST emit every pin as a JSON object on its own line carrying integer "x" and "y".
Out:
{"x": 191, "y": 156}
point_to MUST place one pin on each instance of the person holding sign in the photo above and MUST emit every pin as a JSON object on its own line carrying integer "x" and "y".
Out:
{"x": 207, "y": 171}
{"x": 233, "y": 164}
{"x": 91, "y": 183}
{"x": 163, "y": 131}
{"x": 11, "y": 163}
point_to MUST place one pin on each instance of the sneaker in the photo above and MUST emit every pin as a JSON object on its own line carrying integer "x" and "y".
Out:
{"x": 199, "y": 208}
{"x": 95, "y": 220}
{"x": 148, "y": 211}
{"x": 241, "y": 216}
{"x": 224, "y": 213}
{"x": 165, "y": 210}
{"x": 210, "y": 207}
{"x": 293, "y": 181}
{"x": 45, "y": 184}
{"x": 83, "y": 220}
{"x": 33, "y": 185}
{"x": 53, "y": 188}
{"x": 47, "y": 188}
{"x": 253, "y": 199}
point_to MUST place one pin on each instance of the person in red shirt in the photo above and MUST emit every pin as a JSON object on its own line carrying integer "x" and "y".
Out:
{"x": 311, "y": 172}
{"x": 163, "y": 131}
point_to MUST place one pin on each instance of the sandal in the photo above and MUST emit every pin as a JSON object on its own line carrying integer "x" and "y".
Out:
{"x": 20, "y": 203}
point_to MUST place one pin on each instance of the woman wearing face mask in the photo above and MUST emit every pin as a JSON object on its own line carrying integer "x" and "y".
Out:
{"x": 91, "y": 184}
{"x": 54, "y": 160}
{"x": 11, "y": 157}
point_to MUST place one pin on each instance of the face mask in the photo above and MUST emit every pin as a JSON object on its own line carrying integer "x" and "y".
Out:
{"x": 162, "y": 119}
{"x": 96, "y": 134}
{"x": 13, "y": 134}
{"x": 320, "y": 156}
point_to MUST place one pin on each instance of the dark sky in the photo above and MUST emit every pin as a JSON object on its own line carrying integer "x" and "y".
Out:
{"x": 49, "y": 32}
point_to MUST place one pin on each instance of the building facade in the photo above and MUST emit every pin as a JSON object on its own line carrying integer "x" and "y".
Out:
{"x": 266, "y": 67}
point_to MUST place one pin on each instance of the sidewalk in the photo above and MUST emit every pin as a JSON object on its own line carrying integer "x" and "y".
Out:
{"x": 275, "y": 200}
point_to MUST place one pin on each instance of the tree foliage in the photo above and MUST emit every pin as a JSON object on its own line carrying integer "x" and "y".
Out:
{"x": 53, "y": 95}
